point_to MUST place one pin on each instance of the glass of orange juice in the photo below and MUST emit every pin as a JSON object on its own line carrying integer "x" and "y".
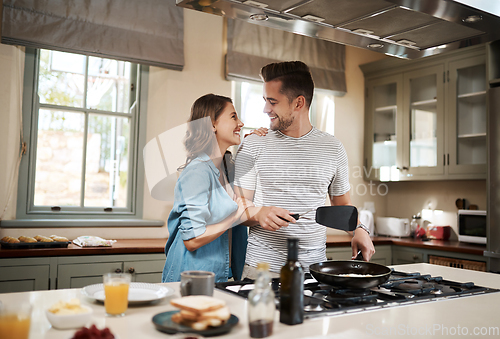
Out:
{"x": 15, "y": 321}
{"x": 116, "y": 287}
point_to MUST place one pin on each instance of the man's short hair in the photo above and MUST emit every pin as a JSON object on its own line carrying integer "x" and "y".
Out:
{"x": 295, "y": 78}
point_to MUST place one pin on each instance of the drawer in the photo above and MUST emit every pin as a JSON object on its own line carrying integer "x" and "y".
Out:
{"x": 406, "y": 256}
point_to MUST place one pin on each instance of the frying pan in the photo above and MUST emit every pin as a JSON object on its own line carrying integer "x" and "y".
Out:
{"x": 343, "y": 217}
{"x": 330, "y": 272}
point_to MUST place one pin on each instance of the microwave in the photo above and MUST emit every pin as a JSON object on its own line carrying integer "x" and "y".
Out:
{"x": 472, "y": 226}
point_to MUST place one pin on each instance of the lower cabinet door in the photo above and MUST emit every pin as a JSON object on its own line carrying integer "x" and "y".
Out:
{"x": 401, "y": 256}
{"x": 382, "y": 254}
{"x": 81, "y": 275}
{"x": 24, "y": 278}
{"x": 145, "y": 271}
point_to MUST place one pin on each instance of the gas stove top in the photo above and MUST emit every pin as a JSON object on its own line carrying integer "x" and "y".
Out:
{"x": 401, "y": 289}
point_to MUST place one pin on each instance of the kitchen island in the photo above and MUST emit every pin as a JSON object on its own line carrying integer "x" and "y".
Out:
{"x": 456, "y": 316}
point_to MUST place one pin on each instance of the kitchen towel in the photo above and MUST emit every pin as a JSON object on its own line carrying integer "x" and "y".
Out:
{"x": 366, "y": 218}
{"x": 92, "y": 241}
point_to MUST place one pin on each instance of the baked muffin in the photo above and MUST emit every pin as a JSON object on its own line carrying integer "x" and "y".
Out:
{"x": 26, "y": 239}
{"x": 58, "y": 238}
{"x": 41, "y": 238}
{"x": 10, "y": 240}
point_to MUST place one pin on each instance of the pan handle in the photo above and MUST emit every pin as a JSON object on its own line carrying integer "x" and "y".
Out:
{"x": 296, "y": 216}
{"x": 359, "y": 256}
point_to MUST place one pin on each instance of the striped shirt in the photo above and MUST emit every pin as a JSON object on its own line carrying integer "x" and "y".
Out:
{"x": 295, "y": 174}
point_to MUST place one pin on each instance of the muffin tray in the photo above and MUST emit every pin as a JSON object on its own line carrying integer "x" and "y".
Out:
{"x": 28, "y": 245}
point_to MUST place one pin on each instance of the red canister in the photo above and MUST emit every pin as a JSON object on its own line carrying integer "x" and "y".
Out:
{"x": 438, "y": 232}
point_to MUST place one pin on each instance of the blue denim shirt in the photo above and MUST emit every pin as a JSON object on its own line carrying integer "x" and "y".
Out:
{"x": 200, "y": 200}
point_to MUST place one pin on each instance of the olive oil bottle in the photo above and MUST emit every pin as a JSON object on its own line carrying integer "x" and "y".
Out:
{"x": 292, "y": 287}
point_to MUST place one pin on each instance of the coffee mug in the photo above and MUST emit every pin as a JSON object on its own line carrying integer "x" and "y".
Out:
{"x": 197, "y": 283}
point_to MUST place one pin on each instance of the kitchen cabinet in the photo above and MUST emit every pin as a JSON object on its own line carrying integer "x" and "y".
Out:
{"x": 426, "y": 119}
{"x": 24, "y": 274}
{"x": 383, "y": 254}
{"x": 411, "y": 255}
{"x": 383, "y": 125}
{"x": 32, "y": 274}
{"x": 406, "y": 255}
{"x": 467, "y": 128}
{"x": 80, "y": 271}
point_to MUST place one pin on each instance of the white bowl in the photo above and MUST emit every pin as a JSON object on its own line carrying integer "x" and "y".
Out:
{"x": 67, "y": 321}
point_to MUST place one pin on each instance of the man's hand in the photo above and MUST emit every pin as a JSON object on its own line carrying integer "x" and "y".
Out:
{"x": 269, "y": 218}
{"x": 361, "y": 241}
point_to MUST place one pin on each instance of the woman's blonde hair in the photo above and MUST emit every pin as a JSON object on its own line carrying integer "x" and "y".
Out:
{"x": 200, "y": 137}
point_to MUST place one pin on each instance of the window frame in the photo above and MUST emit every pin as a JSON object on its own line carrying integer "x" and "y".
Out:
{"x": 236, "y": 94}
{"x": 30, "y": 216}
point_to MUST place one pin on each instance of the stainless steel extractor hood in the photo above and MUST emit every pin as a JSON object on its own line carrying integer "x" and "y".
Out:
{"x": 403, "y": 28}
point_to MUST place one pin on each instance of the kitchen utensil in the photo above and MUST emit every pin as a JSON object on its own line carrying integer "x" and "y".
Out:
{"x": 163, "y": 322}
{"x": 26, "y": 245}
{"x": 337, "y": 273}
{"x": 461, "y": 204}
{"x": 343, "y": 218}
{"x": 139, "y": 293}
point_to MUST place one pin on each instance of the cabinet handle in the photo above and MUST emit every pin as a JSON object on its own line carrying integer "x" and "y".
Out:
{"x": 131, "y": 270}
{"x": 415, "y": 257}
{"x": 329, "y": 258}
{"x": 404, "y": 168}
{"x": 118, "y": 270}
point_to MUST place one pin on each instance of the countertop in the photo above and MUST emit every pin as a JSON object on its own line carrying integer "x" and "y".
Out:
{"x": 144, "y": 246}
{"x": 122, "y": 246}
{"x": 440, "y": 245}
{"x": 420, "y": 320}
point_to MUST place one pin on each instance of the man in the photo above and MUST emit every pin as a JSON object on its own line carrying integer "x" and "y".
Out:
{"x": 291, "y": 170}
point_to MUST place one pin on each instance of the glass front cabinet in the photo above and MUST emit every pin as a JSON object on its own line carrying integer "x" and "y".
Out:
{"x": 423, "y": 107}
{"x": 384, "y": 126}
{"x": 426, "y": 119}
{"x": 467, "y": 127}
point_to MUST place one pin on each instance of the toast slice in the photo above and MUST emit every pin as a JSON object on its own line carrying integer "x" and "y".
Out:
{"x": 199, "y": 325}
{"x": 198, "y": 303}
{"x": 188, "y": 315}
{"x": 219, "y": 314}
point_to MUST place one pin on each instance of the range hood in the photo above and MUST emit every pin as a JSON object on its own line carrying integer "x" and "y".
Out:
{"x": 406, "y": 29}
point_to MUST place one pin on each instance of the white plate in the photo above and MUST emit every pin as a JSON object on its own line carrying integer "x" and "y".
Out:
{"x": 138, "y": 293}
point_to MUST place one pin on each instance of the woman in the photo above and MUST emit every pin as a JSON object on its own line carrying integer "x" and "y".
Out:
{"x": 202, "y": 236}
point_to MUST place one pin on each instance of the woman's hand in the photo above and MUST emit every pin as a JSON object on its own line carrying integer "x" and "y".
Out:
{"x": 262, "y": 131}
{"x": 243, "y": 204}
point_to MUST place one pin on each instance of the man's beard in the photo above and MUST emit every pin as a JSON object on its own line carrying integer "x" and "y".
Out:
{"x": 282, "y": 124}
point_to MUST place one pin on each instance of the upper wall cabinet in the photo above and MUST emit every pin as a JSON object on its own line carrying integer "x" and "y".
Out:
{"x": 467, "y": 118}
{"x": 426, "y": 119}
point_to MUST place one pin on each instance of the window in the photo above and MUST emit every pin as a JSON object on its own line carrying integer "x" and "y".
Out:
{"x": 249, "y": 104}
{"x": 82, "y": 121}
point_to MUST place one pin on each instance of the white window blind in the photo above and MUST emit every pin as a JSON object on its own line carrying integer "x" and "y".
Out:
{"x": 250, "y": 47}
{"x": 149, "y": 32}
